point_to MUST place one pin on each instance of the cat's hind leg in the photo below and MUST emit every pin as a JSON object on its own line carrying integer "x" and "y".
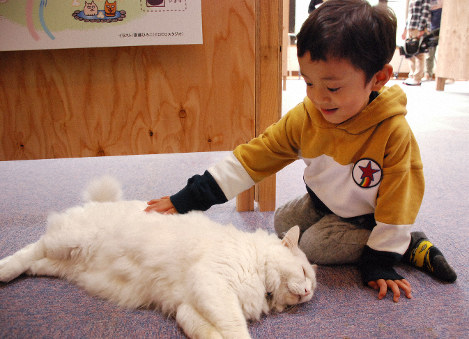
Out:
{"x": 195, "y": 325}
{"x": 14, "y": 265}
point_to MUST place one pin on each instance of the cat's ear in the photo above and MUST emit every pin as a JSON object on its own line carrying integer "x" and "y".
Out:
{"x": 290, "y": 239}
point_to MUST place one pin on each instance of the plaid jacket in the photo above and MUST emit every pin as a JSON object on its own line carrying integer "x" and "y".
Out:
{"x": 419, "y": 15}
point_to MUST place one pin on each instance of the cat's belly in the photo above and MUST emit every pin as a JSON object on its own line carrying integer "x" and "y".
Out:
{"x": 137, "y": 259}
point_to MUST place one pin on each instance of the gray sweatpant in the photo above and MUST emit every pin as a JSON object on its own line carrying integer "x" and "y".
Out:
{"x": 325, "y": 238}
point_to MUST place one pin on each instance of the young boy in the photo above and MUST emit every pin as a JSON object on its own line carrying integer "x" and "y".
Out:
{"x": 363, "y": 173}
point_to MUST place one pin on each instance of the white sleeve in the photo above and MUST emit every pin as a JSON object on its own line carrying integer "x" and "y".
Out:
{"x": 231, "y": 176}
{"x": 390, "y": 238}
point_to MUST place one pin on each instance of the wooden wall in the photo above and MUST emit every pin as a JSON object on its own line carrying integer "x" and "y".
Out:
{"x": 134, "y": 100}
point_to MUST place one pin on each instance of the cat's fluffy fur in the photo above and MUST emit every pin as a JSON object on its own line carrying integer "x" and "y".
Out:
{"x": 211, "y": 277}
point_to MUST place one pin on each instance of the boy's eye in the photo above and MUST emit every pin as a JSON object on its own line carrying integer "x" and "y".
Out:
{"x": 333, "y": 89}
{"x": 309, "y": 84}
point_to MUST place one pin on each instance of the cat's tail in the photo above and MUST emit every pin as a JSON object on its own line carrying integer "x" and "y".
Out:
{"x": 103, "y": 189}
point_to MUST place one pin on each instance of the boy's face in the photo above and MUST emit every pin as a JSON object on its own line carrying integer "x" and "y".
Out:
{"x": 336, "y": 88}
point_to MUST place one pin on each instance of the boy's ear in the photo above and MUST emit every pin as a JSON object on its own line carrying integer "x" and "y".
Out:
{"x": 382, "y": 77}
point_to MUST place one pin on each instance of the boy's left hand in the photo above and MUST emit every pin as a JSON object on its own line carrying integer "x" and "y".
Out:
{"x": 395, "y": 286}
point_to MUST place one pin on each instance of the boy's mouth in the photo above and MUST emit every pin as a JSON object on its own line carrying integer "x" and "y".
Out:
{"x": 328, "y": 111}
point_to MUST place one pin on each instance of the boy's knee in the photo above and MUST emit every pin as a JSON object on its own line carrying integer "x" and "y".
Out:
{"x": 332, "y": 241}
{"x": 284, "y": 217}
{"x": 281, "y": 222}
{"x": 298, "y": 212}
{"x": 310, "y": 245}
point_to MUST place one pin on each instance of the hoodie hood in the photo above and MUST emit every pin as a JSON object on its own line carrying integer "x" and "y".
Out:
{"x": 391, "y": 101}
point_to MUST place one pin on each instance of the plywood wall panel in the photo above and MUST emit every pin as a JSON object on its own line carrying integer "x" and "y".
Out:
{"x": 134, "y": 100}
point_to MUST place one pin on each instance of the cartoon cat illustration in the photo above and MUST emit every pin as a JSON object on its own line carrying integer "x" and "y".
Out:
{"x": 110, "y": 8}
{"x": 90, "y": 8}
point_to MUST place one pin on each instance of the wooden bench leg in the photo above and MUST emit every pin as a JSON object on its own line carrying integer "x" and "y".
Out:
{"x": 264, "y": 193}
{"x": 245, "y": 201}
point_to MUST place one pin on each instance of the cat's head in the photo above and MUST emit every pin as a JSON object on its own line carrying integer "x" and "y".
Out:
{"x": 110, "y": 8}
{"x": 90, "y": 8}
{"x": 290, "y": 278}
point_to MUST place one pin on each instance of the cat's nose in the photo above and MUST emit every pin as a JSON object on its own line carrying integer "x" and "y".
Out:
{"x": 307, "y": 292}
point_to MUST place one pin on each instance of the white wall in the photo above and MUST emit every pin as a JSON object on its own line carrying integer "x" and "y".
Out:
{"x": 301, "y": 13}
{"x": 399, "y": 8}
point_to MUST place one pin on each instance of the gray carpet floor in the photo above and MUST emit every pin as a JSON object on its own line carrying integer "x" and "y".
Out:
{"x": 341, "y": 308}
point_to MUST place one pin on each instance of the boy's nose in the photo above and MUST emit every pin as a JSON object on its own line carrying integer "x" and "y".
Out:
{"x": 320, "y": 96}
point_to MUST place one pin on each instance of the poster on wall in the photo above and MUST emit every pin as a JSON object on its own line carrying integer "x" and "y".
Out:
{"x": 55, "y": 24}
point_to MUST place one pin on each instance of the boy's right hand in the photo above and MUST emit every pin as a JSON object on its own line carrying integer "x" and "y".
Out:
{"x": 162, "y": 205}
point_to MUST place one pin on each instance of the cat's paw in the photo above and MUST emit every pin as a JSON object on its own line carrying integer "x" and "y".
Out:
{"x": 7, "y": 271}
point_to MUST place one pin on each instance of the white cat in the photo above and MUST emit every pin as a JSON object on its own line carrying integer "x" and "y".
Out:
{"x": 211, "y": 277}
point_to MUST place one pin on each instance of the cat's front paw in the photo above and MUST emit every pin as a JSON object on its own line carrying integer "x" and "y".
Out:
{"x": 7, "y": 272}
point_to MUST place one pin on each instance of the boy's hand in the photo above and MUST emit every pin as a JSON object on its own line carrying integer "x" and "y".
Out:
{"x": 163, "y": 205}
{"x": 395, "y": 286}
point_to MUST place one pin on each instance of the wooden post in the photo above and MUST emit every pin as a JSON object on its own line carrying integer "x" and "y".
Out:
{"x": 269, "y": 23}
{"x": 268, "y": 82}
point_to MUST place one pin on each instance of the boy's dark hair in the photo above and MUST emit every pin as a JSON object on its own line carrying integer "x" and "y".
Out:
{"x": 353, "y": 30}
